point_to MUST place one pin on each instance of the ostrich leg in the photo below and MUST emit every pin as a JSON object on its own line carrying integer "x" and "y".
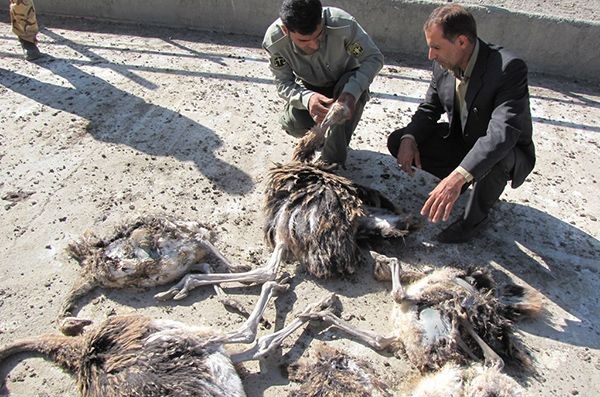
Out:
{"x": 267, "y": 343}
{"x": 256, "y": 276}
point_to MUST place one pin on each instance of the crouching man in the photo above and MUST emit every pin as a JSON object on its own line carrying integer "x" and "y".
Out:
{"x": 319, "y": 55}
{"x": 483, "y": 90}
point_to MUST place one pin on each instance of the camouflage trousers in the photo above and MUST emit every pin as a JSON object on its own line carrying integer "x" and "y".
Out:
{"x": 23, "y": 19}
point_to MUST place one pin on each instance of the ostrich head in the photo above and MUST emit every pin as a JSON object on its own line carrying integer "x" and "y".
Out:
{"x": 337, "y": 114}
{"x": 315, "y": 138}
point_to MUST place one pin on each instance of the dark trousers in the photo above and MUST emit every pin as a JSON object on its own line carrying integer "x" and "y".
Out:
{"x": 297, "y": 122}
{"x": 442, "y": 152}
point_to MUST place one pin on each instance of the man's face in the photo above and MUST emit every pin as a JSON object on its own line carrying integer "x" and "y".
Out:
{"x": 309, "y": 44}
{"x": 450, "y": 54}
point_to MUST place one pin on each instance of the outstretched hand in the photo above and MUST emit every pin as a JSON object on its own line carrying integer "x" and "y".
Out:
{"x": 442, "y": 198}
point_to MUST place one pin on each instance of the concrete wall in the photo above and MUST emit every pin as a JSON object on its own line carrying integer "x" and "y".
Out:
{"x": 549, "y": 45}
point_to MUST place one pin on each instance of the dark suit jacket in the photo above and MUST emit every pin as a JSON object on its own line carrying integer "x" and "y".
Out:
{"x": 499, "y": 119}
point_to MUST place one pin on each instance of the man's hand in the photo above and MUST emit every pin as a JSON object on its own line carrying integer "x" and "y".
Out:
{"x": 441, "y": 199}
{"x": 408, "y": 154}
{"x": 318, "y": 106}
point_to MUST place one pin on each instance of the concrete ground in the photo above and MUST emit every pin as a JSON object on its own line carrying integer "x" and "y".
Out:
{"x": 120, "y": 121}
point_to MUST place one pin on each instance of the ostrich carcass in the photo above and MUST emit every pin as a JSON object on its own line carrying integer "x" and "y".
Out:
{"x": 138, "y": 356}
{"x": 452, "y": 316}
{"x": 334, "y": 373}
{"x": 318, "y": 216}
{"x": 151, "y": 251}
{"x": 474, "y": 380}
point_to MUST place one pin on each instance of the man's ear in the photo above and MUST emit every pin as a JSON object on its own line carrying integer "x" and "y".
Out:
{"x": 463, "y": 40}
{"x": 284, "y": 29}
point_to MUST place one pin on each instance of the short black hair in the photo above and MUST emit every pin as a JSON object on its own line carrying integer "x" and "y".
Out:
{"x": 301, "y": 16}
{"x": 454, "y": 21}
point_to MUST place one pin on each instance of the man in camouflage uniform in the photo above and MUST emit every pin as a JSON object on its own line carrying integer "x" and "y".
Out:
{"x": 24, "y": 25}
{"x": 319, "y": 55}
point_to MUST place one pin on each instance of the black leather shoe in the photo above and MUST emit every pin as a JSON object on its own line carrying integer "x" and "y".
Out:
{"x": 461, "y": 232}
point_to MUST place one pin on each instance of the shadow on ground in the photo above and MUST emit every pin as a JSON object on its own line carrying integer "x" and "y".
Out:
{"x": 149, "y": 128}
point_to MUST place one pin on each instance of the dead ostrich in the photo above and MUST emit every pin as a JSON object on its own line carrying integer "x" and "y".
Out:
{"x": 452, "y": 317}
{"x": 474, "y": 380}
{"x": 333, "y": 373}
{"x": 149, "y": 252}
{"x": 135, "y": 356}
{"x": 316, "y": 215}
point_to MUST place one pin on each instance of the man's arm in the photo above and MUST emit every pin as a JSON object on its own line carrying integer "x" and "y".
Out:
{"x": 285, "y": 82}
{"x": 510, "y": 115}
{"x": 429, "y": 111}
{"x": 361, "y": 46}
{"x": 285, "y": 78}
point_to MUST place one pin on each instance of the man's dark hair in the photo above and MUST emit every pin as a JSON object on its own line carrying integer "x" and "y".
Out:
{"x": 301, "y": 16}
{"x": 454, "y": 21}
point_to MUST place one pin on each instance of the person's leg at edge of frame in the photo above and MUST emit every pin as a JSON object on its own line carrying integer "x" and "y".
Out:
{"x": 25, "y": 27}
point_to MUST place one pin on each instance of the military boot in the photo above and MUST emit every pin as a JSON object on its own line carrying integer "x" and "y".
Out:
{"x": 30, "y": 50}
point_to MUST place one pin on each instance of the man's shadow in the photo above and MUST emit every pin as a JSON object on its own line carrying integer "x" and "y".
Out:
{"x": 149, "y": 128}
{"x": 525, "y": 244}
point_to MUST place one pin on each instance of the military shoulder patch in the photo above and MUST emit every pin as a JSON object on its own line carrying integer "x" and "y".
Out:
{"x": 278, "y": 61}
{"x": 355, "y": 49}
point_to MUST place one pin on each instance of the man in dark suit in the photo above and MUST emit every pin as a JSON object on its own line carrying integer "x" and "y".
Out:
{"x": 487, "y": 142}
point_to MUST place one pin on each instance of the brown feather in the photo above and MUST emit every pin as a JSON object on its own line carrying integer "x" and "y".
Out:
{"x": 318, "y": 216}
